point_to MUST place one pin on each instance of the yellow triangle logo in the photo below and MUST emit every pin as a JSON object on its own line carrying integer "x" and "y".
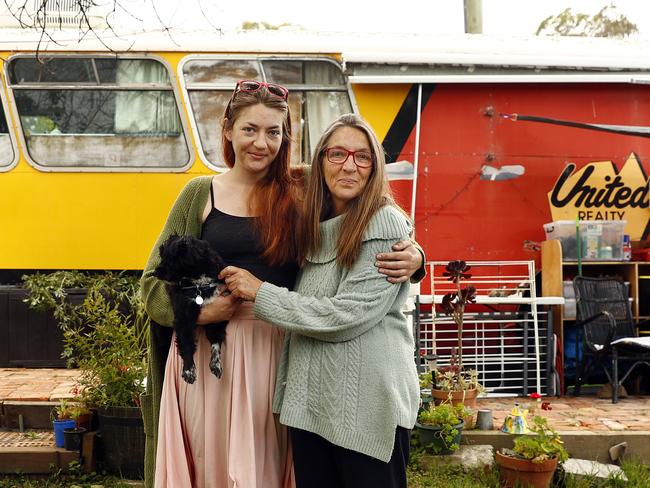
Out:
{"x": 598, "y": 191}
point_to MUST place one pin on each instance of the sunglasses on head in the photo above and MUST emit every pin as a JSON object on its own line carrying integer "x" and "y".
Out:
{"x": 251, "y": 86}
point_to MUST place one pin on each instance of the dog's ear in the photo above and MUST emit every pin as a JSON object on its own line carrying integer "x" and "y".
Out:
{"x": 182, "y": 244}
{"x": 162, "y": 249}
{"x": 160, "y": 272}
{"x": 166, "y": 251}
{"x": 169, "y": 247}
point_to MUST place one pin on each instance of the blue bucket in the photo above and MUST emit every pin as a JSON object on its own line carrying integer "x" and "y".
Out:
{"x": 59, "y": 425}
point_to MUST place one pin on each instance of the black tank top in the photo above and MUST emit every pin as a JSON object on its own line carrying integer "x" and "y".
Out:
{"x": 236, "y": 240}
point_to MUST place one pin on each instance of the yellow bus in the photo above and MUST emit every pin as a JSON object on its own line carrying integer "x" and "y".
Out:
{"x": 96, "y": 144}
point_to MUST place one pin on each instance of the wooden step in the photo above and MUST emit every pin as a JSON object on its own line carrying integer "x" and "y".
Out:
{"x": 34, "y": 452}
{"x": 17, "y": 415}
{"x": 34, "y": 460}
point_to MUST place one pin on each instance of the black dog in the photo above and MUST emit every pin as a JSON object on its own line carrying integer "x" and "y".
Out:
{"x": 190, "y": 267}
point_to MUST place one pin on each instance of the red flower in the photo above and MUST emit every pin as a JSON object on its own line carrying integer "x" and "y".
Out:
{"x": 535, "y": 396}
{"x": 546, "y": 406}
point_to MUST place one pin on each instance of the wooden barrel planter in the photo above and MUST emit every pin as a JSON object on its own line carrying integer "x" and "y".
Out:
{"x": 122, "y": 440}
{"x": 517, "y": 472}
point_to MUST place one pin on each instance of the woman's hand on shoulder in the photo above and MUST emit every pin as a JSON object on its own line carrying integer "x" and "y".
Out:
{"x": 400, "y": 264}
{"x": 241, "y": 283}
{"x": 220, "y": 309}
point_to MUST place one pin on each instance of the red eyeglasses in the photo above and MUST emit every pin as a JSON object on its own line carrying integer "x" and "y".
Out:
{"x": 339, "y": 155}
{"x": 251, "y": 86}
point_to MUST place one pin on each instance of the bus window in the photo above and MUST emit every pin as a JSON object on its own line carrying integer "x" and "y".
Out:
{"x": 324, "y": 99}
{"x": 7, "y": 154}
{"x": 317, "y": 95}
{"x": 314, "y": 73}
{"x": 70, "y": 107}
{"x": 228, "y": 71}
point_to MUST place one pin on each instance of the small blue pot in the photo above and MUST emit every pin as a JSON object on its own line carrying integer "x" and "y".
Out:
{"x": 59, "y": 425}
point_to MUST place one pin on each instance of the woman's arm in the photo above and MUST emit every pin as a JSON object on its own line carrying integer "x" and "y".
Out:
{"x": 362, "y": 300}
{"x": 406, "y": 261}
{"x": 152, "y": 290}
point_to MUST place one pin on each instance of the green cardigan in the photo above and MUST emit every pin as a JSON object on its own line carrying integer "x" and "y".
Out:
{"x": 347, "y": 371}
{"x": 185, "y": 218}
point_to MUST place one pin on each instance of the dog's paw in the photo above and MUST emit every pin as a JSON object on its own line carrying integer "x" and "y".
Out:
{"x": 189, "y": 375}
{"x": 215, "y": 361}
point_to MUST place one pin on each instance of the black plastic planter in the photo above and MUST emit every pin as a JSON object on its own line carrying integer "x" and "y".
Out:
{"x": 73, "y": 438}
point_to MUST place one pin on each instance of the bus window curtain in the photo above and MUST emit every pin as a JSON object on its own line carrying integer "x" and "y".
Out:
{"x": 322, "y": 107}
{"x": 145, "y": 111}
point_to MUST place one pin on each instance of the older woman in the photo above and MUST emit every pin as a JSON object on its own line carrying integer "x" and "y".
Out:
{"x": 347, "y": 383}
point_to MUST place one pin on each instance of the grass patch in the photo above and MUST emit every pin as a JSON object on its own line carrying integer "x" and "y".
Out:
{"x": 452, "y": 477}
{"x": 423, "y": 473}
{"x": 449, "y": 476}
{"x": 435, "y": 476}
{"x": 58, "y": 479}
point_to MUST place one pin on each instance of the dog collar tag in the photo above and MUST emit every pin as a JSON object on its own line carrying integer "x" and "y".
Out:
{"x": 199, "y": 300}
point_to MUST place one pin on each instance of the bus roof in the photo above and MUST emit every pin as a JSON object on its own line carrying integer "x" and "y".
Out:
{"x": 410, "y": 49}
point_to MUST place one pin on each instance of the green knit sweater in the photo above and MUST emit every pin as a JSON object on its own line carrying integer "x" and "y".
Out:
{"x": 347, "y": 371}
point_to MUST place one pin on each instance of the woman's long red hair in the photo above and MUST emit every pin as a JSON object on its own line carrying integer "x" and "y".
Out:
{"x": 275, "y": 200}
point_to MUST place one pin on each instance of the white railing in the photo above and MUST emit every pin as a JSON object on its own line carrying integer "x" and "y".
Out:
{"x": 496, "y": 340}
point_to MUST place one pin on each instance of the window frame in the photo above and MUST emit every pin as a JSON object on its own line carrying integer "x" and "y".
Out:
{"x": 11, "y": 129}
{"x": 260, "y": 58}
{"x": 174, "y": 89}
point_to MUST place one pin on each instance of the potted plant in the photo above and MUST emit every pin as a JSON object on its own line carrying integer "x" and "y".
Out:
{"x": 534, "y": 457}
{"x": 73, "y": 438}
{"x": 62, "y": 419}
{"x": 425, "y": 390}
{"x": 440, "y": 427}
{"x": 454, "y": 382}
{"x": 82, "y": 415}
{"x": 105, "y": 337}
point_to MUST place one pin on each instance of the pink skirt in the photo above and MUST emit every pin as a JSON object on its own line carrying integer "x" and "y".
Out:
{"x": 221, "y": 433}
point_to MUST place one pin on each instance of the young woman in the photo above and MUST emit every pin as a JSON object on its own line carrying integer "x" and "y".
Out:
{"x": 347, "y": 384}
{"x": 222, "y": 432}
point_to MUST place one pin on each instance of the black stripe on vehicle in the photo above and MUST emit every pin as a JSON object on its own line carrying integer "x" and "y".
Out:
{"x": 404, "y": 121}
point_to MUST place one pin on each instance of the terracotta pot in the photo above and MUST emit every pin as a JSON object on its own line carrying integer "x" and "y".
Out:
{"x": 466, "y": 397}
{"x": 517, "y": 472}
{"x": 84, "y": 420}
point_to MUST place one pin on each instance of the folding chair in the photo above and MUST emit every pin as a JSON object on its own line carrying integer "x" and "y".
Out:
{"x": 608, "y": 331}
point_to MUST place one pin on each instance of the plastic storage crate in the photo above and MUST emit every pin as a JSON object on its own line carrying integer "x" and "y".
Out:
{"x": 601, "y": 240}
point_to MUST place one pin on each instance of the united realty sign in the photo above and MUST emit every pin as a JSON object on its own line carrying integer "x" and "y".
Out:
{"x": 598, "y": 191}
